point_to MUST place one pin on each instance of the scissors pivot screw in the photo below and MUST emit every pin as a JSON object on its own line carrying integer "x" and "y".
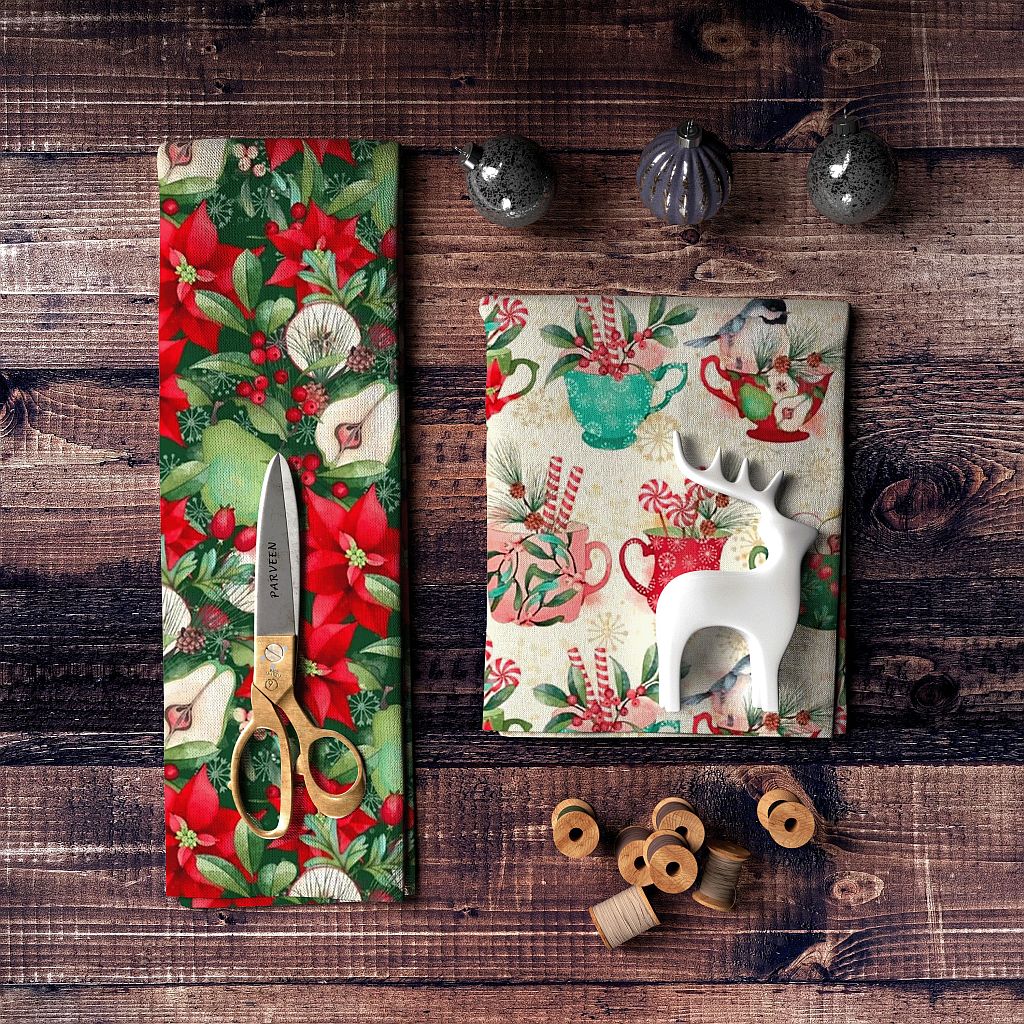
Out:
{"x": 274, "y": 652}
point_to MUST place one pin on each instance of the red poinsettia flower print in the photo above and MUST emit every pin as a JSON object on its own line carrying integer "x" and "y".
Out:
{"x": 195, "y": 823}
{"x": 317, "y": 230}
{"x": 280, "y": 150}
{"x": 345, "y": 545}
{"x": 295, "y": 836}
{"x": 172, "y": 399}
{"x": 193, "y": 259}
{"x": 327, "y": 683}
{"x": 179, "y": 534}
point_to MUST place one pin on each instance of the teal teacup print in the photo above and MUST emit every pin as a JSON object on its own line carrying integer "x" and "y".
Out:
{"x": 610, "y": 410}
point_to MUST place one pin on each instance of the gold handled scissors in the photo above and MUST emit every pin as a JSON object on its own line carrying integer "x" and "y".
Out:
{"x": 273, "y": 681}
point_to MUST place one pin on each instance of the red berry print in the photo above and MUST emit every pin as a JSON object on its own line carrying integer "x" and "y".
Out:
{"x": 293, "y": 415}
{"x": 340, "y": 489}
{"x": 488, "y": 727}
{"x": 243, "y": 389}
{"x": 392, "y": 809}
{"x": 310, "y": 407}
{"x": 311, "y": 461}
{"x": 273, "y": 353}
{"x": 299, "y": 393}
{"x": 825, "y": 572}
{"x": 260, "y": 383}
{"x": 258, "y": 356}
{"x": 308, "y": 478}
{"x": 258, "y": 397}
{"x": 273, "y": 793}
{"x": 170, "y": 772}
{"x": 222, "y": 525}
{"x": 389, "y": 244}
{"x": 281, "y": 376}
{"x": 170, "y": 207}
{"x": 271, "y": 228}
{"x": 258, "y": 339}
{"x": 298, "y": 211}
{"x": 295, "y": 461}
{"x": 246, "y": 538}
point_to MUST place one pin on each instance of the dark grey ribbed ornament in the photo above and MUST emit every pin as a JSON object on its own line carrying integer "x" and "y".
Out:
{"x": 685, "y": 175}
{"x": 852, "y": 174}
{"x": 509, "y": 180}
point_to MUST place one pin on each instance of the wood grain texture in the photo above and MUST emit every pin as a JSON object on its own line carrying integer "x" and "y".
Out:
{"x": 913, "y": 872}
{"x": 936, "y": 1002}
{"x": 567, "y": 74}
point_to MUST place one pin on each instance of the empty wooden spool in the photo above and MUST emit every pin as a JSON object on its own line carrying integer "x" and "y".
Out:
{"x": 623, "y": 916}
{"x": 787, "y": 820}
{"x": 672, "y": 866}
{"x": 676, "y": 813}
{"x": 629, "y": 853}
{"x": 574, "y": 827}
{"x": 721, "y": 875}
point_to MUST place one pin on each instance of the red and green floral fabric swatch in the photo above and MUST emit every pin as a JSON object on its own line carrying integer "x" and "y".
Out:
{"x": 278, "y": 333}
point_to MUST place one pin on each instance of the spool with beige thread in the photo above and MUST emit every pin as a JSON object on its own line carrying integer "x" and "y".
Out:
{"x": 721, "y": 875}
{"x": 677, "y": 813}
{"x": 672, "y": 866}
{"x": 629, "y": 853}
{"x": 788, "y": 821}
{"x": 574, "y": 828}
{"x": 623, "y": 916}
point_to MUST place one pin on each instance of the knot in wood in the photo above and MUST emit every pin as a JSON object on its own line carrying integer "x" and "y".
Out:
{"x": 723, "y": 40}
{"x": 935, "y": 694}
{"x": 853, "y": 56}
{"x": 926, "y": 498}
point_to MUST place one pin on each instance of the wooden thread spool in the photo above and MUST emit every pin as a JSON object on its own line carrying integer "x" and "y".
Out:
{"x": 575, "y": 829}
{"x": 673, "y": 868}
{"x": 623, "y": 916}
{"x": 677, "y": 814}
{"x": 629, "y": 852}
{"x": 721, "y": 874}
{"x": 787, "y": 820}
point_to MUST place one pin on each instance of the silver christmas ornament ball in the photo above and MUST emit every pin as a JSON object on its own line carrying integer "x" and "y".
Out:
{"x": 509, "y": 179}
{"x": 685, "y": 175}
{"x": 852, "y": 174}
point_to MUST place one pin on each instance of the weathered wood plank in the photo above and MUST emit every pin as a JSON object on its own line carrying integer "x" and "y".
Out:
{"x": 936, "y": 1002}
{"x": 934, "y": 278}
{"x": 564, "y": 73}
{"x": 914, "y": 874}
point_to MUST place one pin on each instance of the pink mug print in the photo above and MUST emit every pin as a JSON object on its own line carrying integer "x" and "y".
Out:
{"x": 672, "y": 557}
{"x": 541, "y": 578}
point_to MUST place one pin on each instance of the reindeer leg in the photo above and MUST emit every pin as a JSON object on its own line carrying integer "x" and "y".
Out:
{"x": 672, "y": 631}
{"x": 764, "y": 674}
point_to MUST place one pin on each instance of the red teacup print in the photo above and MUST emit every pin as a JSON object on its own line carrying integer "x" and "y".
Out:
{"x": 544, "y": 577}
{"x": 672, "y": 557}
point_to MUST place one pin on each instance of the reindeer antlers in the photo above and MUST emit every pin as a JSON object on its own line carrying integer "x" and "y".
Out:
{"x": 715, "y": 479}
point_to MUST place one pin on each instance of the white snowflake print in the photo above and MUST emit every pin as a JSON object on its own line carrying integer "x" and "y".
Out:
{"x": 192, "y": 422}
{"x": 363, "y": 705}
{"x": 389, "y": 494}
{"x": 218, "y": 771}
{"x": 219, "y": 208}
{"x": 266, "y": 765}
{"x": 608, "y": 630}
{"x": 654, "y": 437}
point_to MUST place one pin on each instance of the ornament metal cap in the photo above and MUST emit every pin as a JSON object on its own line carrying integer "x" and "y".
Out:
{"x": 690, "y": 134}
{"x": 845, "y": 124}
{"x": 471, "y": 155}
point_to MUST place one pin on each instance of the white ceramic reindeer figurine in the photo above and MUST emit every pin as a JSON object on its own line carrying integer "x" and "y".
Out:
{"x": 762, "y": 604}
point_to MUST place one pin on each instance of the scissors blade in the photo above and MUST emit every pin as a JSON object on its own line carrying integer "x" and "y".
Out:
{"x": 277, "y": 554}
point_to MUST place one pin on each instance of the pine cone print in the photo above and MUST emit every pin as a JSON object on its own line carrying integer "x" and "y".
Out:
{"x": 191, "y": 640}
{"x": 518, "y": 490}
{"x": 360, "y": 359}
{"x": 534, "y": 521}
{"x": 317, "y": 393}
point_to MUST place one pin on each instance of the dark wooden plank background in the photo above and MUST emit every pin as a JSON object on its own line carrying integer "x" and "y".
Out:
{"x": 909, "y": 903}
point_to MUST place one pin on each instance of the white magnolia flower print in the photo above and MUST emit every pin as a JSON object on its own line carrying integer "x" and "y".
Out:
{"x": 780, "y": 385}
{"x": 791, "y": 413}
{"x": 327, "y": 883}
{"x": 321, "y": 331}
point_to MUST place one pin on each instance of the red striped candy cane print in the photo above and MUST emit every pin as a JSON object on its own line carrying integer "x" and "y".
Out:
{"x": 572, "y": 487}
{"x": 551, "y": 486}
